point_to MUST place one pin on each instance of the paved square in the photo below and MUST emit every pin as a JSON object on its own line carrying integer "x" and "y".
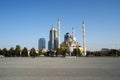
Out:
{"x": 43, "y": 68}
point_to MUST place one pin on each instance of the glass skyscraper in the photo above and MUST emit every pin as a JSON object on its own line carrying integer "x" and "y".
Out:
{"x": 53, "y": 40}
{"x": 41, "y": 43}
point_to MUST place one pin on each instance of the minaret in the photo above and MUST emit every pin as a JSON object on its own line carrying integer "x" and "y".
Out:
{"x": 73, "y": 33}
{"x": 58, "y": 33}
{"x": 84, "y": 42}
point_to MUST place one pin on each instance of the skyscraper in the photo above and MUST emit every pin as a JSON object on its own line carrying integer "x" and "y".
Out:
{"x": 41, "y": 43}
{"x": 53, "y": 40}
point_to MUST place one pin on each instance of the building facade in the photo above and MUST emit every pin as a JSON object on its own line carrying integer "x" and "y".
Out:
{"x": 41, "y": 43}
{"x": 53, "y": 40}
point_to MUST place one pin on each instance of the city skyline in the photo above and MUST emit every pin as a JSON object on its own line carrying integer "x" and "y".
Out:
{"x": 23, "y": 22}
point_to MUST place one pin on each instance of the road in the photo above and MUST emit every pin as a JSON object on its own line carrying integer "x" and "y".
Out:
{"x": 44, "y": 68}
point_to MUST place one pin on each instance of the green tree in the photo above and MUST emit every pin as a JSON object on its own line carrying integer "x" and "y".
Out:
{"x": 33, "y": 52}
{"x": 17, "y": 50}
{"x": 5, "y": 52}
{"x": 97, "y": 53}
{"x": 11, "y": 52}
{"x": 24, "y": 52}
{"x": 76, "y": 52}
{"x": 58, "y": 52}
{"x": 40, "y": 52}
{"x": 63, "y": 52}
{"x": 79, "y": 52}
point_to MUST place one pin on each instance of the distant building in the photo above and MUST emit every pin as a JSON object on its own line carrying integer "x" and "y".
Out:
{"x": 41, "y": 43}
{"x": 105, "y": 49}
{"x": 53, "y": 40}
{"x": 54, "y": 37}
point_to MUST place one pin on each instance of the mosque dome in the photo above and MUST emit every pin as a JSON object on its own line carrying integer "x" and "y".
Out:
{"x": 67, "y": 36}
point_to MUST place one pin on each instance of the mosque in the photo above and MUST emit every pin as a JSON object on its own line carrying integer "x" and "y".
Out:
{"x": 70, "y": 43}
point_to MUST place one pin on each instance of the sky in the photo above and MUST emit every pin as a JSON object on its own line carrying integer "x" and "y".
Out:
{"x": 23, "y": 22}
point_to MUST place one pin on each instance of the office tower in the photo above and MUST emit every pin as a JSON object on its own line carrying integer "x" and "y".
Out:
{"x": 53, "y": 40}
{"x": 41, "y": 43}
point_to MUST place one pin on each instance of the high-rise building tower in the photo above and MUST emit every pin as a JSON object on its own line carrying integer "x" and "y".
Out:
{"x": 53, "y": 41}
{"x": 41, "y": 43}
{"x": 84, "y": 41}
{"x": 58, "y": 33}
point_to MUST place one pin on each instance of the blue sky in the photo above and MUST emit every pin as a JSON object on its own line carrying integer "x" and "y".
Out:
{"x": 23, "y": 22}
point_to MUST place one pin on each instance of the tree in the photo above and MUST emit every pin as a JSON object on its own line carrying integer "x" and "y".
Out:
{"x": 50, "y": 53}
{"x": 0, "y": 52}
{"x": 63, "y": 52}
{"x": 97, "y": 53}
{"x": 89, "y": 53}
{"x": 40, "y": 52}
{"x": 24, "y": 52}
{"x": 11, "y": 52}
{"x": 79, "y": 52}
{"x": 5, "y": 52}
{"x": 17, "y": 50}
{"x": 58, "y": 52}
{"x": 114, "y": 52}
{"x": 76, "y": 52}
{"x": 33, "y": 52}
{"x": 118, "y": 52}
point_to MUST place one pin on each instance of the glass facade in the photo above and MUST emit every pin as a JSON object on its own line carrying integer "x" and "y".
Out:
{"x": 41, "y": 43}
{"x": 53, "y": 40}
